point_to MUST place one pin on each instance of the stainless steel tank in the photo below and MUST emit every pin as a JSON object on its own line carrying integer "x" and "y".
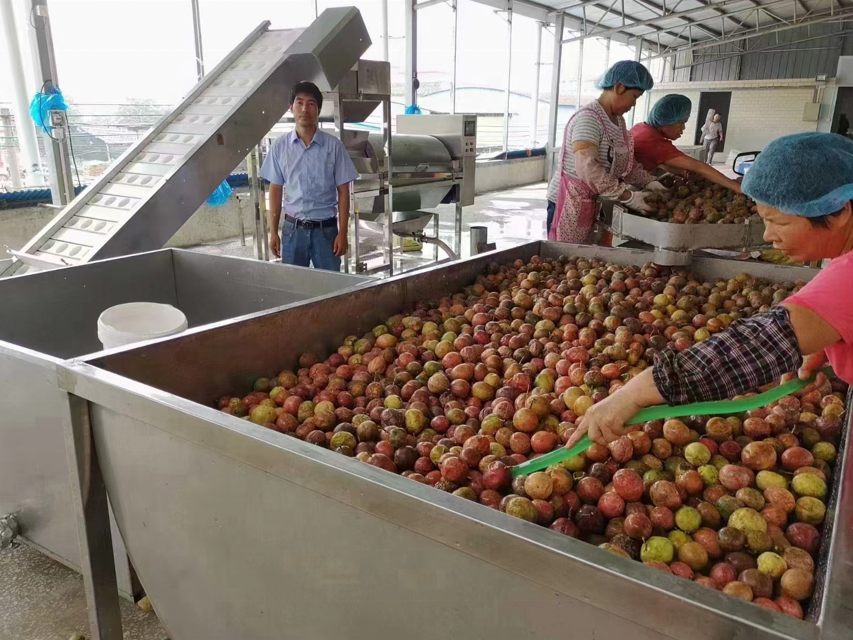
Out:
{"x": 240, "y": 532}
{"x": 50, "y": 316}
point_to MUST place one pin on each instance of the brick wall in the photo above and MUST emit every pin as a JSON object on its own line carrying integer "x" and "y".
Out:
{"x": 760, "y": 111}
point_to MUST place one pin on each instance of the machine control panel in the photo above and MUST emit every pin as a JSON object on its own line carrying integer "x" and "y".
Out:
{"x": 469, "y": 138}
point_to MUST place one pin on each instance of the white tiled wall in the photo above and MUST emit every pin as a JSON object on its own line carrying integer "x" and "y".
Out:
{"x": 760, "y": 111}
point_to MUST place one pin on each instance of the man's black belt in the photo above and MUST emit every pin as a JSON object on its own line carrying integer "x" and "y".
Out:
{"x": 312, "y": 224}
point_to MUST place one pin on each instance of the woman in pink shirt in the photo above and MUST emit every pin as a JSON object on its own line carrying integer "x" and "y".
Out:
{"x": 803, "y": 185}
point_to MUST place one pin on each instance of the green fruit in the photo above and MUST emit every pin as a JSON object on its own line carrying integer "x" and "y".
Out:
{"x": 772, "y": 564}
{"x": 759, "y": 542}
{"x": 263, "y": 414}
{"x": 727, "y": 505}
{"x": 709, "y": 474}
{"x": 697, "y": 454}
{"x": 415, "y": 421}
{"x": 342, "y": 439}
{"x": 808, "y": 484}
{"x": 824, "y": 451}
{"x": 766, "y": 479}
{"x": 747, "y": 520}
{"x": 688, "y": 519}
{"x": 810, "y": 510}
{"x": 678, "y": 539}
{"x": 657, "y": 548}
{"x": 719, "y": 461}
{"x": 306, "y": 410}
{"x": 522, "y": 508}
{"x": 393, "y": 402}
{"x": 436, "y": 453}
{"x": 575, "y": 463}
{"x": 431, "y": 367}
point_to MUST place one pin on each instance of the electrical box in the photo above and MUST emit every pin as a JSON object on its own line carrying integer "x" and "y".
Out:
{"x": 811, "y": 112}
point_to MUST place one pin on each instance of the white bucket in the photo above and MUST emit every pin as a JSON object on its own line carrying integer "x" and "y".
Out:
{"x": 138, "y": 321}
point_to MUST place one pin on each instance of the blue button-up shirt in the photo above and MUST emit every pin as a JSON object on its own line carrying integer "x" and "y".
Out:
{"x": 310, "y": 174}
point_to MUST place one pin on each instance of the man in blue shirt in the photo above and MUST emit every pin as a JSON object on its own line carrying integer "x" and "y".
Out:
{"x": 314, "y": 171}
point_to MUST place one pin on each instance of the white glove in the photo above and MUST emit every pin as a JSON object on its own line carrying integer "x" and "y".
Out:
{"x": 654, "y": 185}
{"x": 637, "y": 201}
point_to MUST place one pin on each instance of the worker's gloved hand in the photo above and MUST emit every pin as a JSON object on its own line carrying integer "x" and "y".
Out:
{"x": 654, "y": 185}
{"x": 637, "y": 201}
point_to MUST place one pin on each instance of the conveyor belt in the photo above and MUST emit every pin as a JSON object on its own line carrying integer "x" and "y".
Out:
{"x": 154, "y": 188}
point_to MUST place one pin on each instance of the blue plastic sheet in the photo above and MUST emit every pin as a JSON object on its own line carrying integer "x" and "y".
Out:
{"x": 220, "y": 195}
{"x": 413, "y": 110}
{"x": 41, "y": 106}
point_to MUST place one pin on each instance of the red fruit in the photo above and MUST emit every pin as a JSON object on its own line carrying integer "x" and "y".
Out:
{"x": 758, "y": 456}
{"x": 497, "y": 476}
{"x": 804, "y": 536}
{"x": 490, "y": 498}
{"x": 690, "y": 481}
{"x": 730, "y": 450}
{"x": 566, "y": 527}
{"x": 382, "y": 461}
{"x": 681, "y": 570}
{"x": 789, "y": 607}
{"x": 589, "y": 490}
{"x": 544, "y": 441}
{"x": 733, "y": 477}
{"x": 453, "y": 469}
{"x": 722, "y": 573}
{"x": 621, "y": 449}
{"x": 638, "y": 526}
{"x": 611, "y": 505}
{"x": 662, "y": 518}
{"x": 641, "y": 442}
{"x": 628, "y": 484}
{"x": 660, "y": 566}
{"x": 705, "y": 581}
{"x": 665, "y": 494}
{"x": 519, "y": 442}
{"x": 767, "y": 604}
{"x": 385, "y": 448}
{"x": 796, "y": 457}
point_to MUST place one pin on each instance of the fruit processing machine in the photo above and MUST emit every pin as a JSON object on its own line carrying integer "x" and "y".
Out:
{"x": 674, "y": 244}
{"x": 225, "y": 520}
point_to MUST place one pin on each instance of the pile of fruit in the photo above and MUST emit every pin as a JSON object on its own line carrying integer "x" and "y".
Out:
{"x": 458, "y": 391}
{"x": 695, "y": 200}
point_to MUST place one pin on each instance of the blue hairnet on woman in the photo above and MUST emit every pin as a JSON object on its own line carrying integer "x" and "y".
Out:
{"x": 597, "y": 157}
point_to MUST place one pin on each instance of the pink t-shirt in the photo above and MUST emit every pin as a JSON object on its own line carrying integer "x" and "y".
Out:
{"x": 830, "y": 295}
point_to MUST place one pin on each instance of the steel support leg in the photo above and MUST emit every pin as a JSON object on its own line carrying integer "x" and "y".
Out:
{"x": 89, "y": 500}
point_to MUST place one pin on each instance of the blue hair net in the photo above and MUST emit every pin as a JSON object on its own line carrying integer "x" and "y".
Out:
{"x": 629, "y": 73}
{"x": 220, "y": 195}
{"x": 805, "y": 174}
{"x": 671, "y": 109}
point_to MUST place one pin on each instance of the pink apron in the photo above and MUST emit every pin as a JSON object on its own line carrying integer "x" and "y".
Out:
{"x": 576, "y": 207}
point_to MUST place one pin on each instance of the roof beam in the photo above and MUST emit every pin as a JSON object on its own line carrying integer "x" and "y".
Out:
{"x": 674, "y": 15}
{"x": 627, "y": 23}
{"x": 753, "y": 33}
{"x": 660, "y": 11}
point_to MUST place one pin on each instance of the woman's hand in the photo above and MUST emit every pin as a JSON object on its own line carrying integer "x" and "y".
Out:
{"x": 811, "y": 364}
{"x": 605, "y": 421}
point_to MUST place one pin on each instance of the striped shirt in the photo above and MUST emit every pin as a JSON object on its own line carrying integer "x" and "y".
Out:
{"x": 586, "y": 127}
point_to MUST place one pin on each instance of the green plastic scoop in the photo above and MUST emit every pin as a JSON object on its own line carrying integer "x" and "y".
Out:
{"x": 664, "y": 412}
